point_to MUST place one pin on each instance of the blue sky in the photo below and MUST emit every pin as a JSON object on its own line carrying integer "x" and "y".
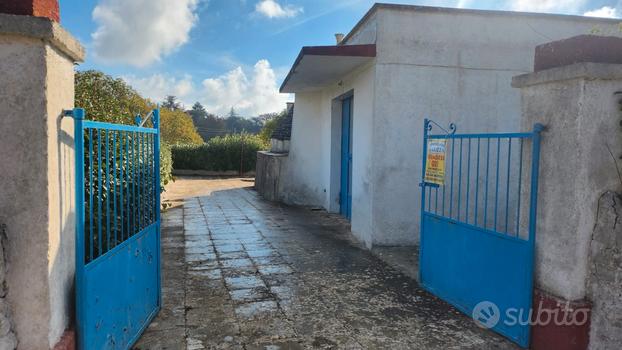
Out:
{"x": 235, "y": 53}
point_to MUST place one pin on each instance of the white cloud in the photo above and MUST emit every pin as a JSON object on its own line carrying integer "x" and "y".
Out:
{"x": 557, "y": 6}
{"x": 463, "y": 3}
{"x": 140, "y": 32}
{"x": 251, "y": 92}
{"x": 249, "y": 95}
{"x": 605, "y": 12}
{"x": 272, "y": 9}
{"x": 158, "y": 86}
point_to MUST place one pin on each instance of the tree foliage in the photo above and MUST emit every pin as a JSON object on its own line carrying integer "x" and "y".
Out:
{"x": 112, "y": 100}
{"x": 177, "y": 127}
{"x": 107, "y": 99}
{"x": 170, "y": 102}
{"x": 271, "y": 121}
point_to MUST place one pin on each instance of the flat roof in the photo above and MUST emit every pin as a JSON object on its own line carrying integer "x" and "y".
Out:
{"x": 434, "y": 9}
{"x": 317, "y": 66}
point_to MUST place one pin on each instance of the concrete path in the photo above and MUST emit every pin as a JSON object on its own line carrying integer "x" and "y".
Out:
{"x": 242, "y": 273}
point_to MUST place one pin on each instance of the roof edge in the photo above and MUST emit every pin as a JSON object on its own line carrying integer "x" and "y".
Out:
{"x": 436, "y": 9}
{"x": 368, "y": 50}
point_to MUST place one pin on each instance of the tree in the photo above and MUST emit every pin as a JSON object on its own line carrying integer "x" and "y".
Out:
{"x": 270, "y": 122}
{"x": 170, "y": 102}
{"x": 197, "y": 112}
{"x": 112, "y": 100}
{"x": 107, "y": 99}
{"x": 177, "y": 127}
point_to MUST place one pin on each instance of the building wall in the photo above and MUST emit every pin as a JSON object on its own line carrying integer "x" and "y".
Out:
{"x": 61, "y": 193}
{"x": 450, "y": 67}
{"x": 314, "y": 160}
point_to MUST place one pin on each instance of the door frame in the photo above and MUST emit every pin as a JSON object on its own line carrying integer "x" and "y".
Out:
{"x": 345, "y": 192}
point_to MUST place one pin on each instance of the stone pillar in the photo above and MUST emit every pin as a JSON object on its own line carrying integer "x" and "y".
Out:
{"x": 37, "y": 203}
{"x": 574, "y": 94}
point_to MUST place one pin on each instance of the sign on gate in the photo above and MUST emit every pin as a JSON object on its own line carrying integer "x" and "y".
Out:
{"x": 435, "y": 162}
{"x": 478, "y": 224}
{"x": 117, "y": 231}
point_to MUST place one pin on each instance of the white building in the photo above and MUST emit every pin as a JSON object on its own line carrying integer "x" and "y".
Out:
{"x": 399, "y": 65}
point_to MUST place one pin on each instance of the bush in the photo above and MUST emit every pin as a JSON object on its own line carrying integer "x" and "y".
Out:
{"x": 166, "y": 165}
{"x": 232, "y": 152}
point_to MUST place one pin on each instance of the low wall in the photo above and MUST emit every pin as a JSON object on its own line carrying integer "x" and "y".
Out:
{"x": 268, "y": 174}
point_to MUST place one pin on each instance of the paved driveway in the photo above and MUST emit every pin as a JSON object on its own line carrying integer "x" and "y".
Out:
{"x": 243, "y": 273}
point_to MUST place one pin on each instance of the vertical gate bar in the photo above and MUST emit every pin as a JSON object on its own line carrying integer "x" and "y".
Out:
{"x": 78, "y": 117}
{"x": 520, "y": 173}
{"x": 507, "y": 185}
{"x": 426, "y": 123}
{"x": 99, "y": 193}
{"x": 477, "y": 181}
{"x": 429, "y": 199}
{"x": 143, "y": 181}
{"x": 436, "y": 200}
{"x": 153, "y": 177}
{"x": 107, "y": 190}
{"x": 121, "y": 182}
{"x": 451, "y": 188}
{"x": 535, "y": 168}
{"x": 140, "y": 181}
{"x": 460, "y": 179}
{"x": 114, "y": 179}
{"x": 147, "y": 181}
{"x": 149, "y": 158}
{"x": 486, "y": 191}
{"x": 533, "y": 209}
{"x": 134, "y": 201}
{"x": 497, "y": 183}
{"x": 127, "y": 184}
{"x": 156, "y": 157}
{"x": 91, "y": 233}
{"x": 468, "y": 181}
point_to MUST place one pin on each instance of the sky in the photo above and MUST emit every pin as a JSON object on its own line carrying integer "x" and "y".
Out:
{"x": 236, "y": 53}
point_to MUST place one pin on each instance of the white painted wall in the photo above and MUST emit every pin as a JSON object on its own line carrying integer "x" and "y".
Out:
{"x": 314, "y": 160}
{"x": 446, "y": 65}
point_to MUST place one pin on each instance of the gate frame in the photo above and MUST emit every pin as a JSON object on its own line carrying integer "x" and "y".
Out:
{"x": 78, "y": 114}
{"x": 535, "y": 136}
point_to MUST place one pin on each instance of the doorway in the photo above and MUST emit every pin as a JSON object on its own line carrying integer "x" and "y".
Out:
{"x": 345, "y": 198}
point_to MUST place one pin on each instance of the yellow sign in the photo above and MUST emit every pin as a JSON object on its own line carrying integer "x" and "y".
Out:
{"x": 435, "y": 162}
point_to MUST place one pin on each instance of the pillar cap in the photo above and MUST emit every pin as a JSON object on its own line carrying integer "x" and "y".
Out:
{"x": 577, "y": 49}
{"x": 44, "y": 29}
{"x": 586, "y": 70}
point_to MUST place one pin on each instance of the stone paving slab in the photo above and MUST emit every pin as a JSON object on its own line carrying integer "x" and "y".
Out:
{"x": 242, "y": 273}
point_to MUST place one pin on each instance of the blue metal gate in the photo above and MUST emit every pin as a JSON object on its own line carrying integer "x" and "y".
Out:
{"x": 117, "y": 231}
{"x": 478, "y": 226}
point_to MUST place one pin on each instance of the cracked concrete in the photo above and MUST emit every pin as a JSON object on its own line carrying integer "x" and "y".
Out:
{"x": 243, "y": 273}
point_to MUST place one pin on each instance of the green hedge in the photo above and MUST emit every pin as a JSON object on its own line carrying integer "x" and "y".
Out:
{"x": 166, "y": 164}
{"x": 220, "y": 154}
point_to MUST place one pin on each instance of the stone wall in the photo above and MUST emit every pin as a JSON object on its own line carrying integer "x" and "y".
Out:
{"x": 605, "y": 274}
{"x": 7, "y": 336}
{"x": 269, "y": 174}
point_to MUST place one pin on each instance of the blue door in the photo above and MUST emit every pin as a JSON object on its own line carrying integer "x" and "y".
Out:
{"x": 477, "y": 237}
{"x": 345, "y": 198}
{"x": 117, "y": 231}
